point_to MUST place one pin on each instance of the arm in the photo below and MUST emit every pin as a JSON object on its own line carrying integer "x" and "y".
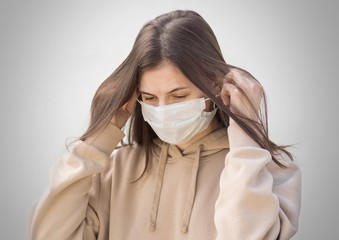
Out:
{"x": 258, "y": 199}
{"x": 67, "y": 210}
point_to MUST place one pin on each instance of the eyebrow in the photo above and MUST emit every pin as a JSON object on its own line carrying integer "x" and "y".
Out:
{"x": 172, "y": 91}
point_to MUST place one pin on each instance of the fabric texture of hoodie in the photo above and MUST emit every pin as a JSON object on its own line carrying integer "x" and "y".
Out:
{"x": 205, "y": 191}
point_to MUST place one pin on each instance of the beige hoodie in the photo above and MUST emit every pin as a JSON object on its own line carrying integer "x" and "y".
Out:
{"x": 204, "y": 192}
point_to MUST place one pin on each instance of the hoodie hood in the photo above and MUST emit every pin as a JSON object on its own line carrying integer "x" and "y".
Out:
{"x": 198, "y": 151}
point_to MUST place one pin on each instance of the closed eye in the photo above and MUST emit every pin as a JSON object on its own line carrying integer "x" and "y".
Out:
{"x": 180, "y": 97}
{"x": 148, "y": 98}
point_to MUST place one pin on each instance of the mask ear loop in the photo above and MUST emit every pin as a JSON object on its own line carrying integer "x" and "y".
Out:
{"x": 214, "y": 104}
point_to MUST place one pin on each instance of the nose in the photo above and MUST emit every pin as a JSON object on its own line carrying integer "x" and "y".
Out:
{"x": 162, "y": 102}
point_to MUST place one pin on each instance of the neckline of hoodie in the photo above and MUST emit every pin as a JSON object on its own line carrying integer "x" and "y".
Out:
{"x": 207, "y": 158}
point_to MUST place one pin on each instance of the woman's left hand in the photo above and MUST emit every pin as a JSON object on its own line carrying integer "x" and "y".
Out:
{"x": 238, "y": 82}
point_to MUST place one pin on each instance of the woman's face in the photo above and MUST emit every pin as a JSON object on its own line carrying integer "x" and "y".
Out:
{"x": 166, "y": 85}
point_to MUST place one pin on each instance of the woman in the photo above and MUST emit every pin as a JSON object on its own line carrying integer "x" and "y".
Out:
{"x": 198, "y": 163}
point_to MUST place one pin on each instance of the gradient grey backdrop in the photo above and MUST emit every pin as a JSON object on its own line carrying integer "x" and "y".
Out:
{"x": 54, "y": 54}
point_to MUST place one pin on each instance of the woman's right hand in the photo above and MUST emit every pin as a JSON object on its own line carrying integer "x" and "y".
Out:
{"x": 121, "y": 116}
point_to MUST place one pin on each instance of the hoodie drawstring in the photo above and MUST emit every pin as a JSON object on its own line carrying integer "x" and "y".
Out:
{"x": 192, "y": 191}
{"x": 158, "y": 186}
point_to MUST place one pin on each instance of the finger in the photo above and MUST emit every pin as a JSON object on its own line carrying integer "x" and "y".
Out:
{"x": 226, "y": 92}
{"x": 238, "y": 76}
{"x": 229, "y": 77}
{"x": 129, "y": 106}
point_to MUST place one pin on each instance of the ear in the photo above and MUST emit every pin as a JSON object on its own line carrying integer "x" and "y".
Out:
{"x": 210, "y": 105}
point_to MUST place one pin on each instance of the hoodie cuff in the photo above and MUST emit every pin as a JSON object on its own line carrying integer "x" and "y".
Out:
{"x": 239, "y": 138}
{"x": 107, "y": 139}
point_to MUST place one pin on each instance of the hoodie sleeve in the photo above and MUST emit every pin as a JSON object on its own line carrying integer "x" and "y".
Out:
{"x": 257, "y": 199}
{"x": 67, "y": 210}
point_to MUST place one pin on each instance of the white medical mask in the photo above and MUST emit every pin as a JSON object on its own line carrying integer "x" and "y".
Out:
{"x": 177, "y": 123}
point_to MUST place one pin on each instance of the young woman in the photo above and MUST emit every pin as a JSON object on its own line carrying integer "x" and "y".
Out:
{"x": 198, "y": 163}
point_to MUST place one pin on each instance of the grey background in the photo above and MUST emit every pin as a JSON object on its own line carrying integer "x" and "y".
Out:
{"x": 54, "y": 55}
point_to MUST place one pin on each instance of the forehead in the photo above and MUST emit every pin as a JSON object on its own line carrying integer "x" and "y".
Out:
{"x": 164, "y": 78}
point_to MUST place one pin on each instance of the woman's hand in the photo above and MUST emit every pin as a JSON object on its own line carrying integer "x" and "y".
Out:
{"x": 242, "y": 93}
{"x": 121, "y": 116}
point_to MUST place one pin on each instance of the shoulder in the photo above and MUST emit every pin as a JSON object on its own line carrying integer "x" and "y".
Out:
{"x": 128, "y": 154}
{"x": 128, "y": 161}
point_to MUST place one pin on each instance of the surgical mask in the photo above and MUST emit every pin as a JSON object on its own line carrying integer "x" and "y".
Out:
{"x": 177, "y": 123}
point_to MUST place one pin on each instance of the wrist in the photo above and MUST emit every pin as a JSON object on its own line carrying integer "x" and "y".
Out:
{"x": 238, "y": 137}
{"x": 106, "y": 139}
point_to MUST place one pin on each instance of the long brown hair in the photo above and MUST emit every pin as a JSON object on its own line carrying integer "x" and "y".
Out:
{"x": 185, "y": 39}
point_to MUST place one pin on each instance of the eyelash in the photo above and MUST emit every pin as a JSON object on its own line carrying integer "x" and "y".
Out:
{"x": 149, "y": 98}
{"x": 152, "y": 98}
